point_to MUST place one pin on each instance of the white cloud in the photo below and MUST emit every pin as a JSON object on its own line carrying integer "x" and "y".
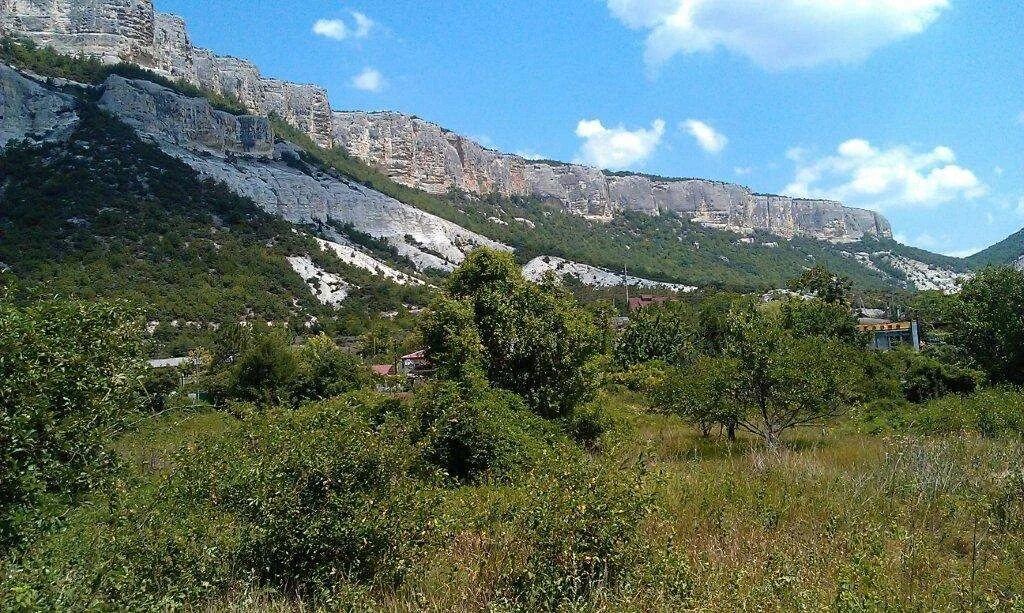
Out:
{"x": 776, "y": 35}
{"x": 863, "y": 175}
{"x": 1020, "y": 118}
{"x": 616, "y": 148}
{"x": 796, "y": 154}
{"x": 709, "y": 139}
{"x": 364, "y": 25}
{"x": 337, "y": 29}
{"x": 743, "y": 170}
{"x": 530, "y": 154}
{"x": 925, "y": 241}
{"x": 369, "y": 80}
{"x": 963, "y": 253}
{"x": 331, "y": 28}
{"x": 998, "y": 170}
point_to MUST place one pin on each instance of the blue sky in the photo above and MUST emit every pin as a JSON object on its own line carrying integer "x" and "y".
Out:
{"x": 914, "y": 108}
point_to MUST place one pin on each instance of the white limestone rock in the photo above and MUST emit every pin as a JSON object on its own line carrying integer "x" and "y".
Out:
{"x": 29, "y": 111}
{"x": 353, "y": 257}
{"x": 162, "y": 114}
{"x": 327, "y": 287}
{"x": 420, "y": 154}
{"x": 537, "y": 268}
{"x": 237, "y": 152}
{"x": 133, "y": 31}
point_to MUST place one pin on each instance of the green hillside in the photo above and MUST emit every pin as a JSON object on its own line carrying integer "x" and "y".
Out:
{"x": 109, "y": 216}
{"x": 1007, "y": 251}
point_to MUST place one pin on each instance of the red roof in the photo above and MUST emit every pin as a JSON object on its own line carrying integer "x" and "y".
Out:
{"x": 416, "y": 355}
{"x": 646, "y": 300}
{"x": 383, "y": 370}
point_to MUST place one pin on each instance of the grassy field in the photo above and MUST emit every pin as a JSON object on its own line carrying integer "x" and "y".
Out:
{"x": 840, "y": 521}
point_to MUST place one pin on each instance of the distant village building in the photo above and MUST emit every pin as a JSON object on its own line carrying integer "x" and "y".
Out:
{"x": 645, "y": 300}
{"x": 384, "y": 370}
{"x": 416, "y": 365}
{"x": 886, "y": 335}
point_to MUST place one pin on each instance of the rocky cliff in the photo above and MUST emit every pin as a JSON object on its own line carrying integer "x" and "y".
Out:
{"x": 132, "y": 31}
{"x": 241, "y": 152}
{"x": 413, "y": 152}
{"x": 420, "y": 154}
{"x": 29, "y": 111}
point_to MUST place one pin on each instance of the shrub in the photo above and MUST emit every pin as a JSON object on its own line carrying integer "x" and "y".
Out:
{"x": 137, "y": 550}
{"x": 590, "y": 422}
{"x": 644, "y": 377}
{"x": 924, "y": 378}
{"x": 992, "y": 413}
{"x": 479, "y": 432}
{"x": 70, "y": 377}
{"x": 319, "y": 495}
{"x": 578, "y": 530}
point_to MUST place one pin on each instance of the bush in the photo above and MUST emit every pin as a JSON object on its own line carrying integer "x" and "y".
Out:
{"x": 70, "y": 377}
{"x": 476, "y": 433}
{"x": 993, "y": 413}
{"x": 319, "y": 495}
{"x": 138, "y": 550}
{"x": 577, "y": 530}
{"x": 924, "y": 378}
{"x": 644, "y": 377}
{"x": 588, "y": 423}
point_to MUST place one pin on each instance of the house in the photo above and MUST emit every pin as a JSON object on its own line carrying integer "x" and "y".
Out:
{"x": 384, "y": 370}
{"x": 415, "y": 365}
{"x": 886, "y": 335}
{"x": 173, "y": 362}
{"x": 645, "y": 300}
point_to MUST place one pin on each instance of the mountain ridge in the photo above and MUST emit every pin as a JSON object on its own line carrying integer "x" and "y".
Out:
{"x": 133, "y": 31}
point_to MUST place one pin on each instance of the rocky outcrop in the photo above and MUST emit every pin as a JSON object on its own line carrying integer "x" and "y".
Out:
{"x": 163, "y": 115}
{"x": 29, "y": 111}
{"x": 240, "y": 152}
{"x": 132, "y": 31}
{"x": 420, "y": 154}
{"x": 538, "y": 268}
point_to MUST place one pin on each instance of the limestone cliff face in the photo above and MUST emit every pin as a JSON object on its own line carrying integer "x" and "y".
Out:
{"x": 160, "y": 114}
{"x": 420, "y": 154}
{"x": 241, "y": 153}
{"x": 132, "y": 31}
{"x": 29, "y": 111}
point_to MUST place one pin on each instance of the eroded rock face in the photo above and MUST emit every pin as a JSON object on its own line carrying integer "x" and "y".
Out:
{"x": 420, "y": 154}
{"x": 191, "y": 123}
{"x": 132, "y": 31}
{"x": 29, "y": 111}
{"x": 240, "y": 152}
{"x": 110, "y": 29}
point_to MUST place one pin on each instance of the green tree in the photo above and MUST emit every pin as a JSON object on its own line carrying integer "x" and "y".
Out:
{"x": 535, "y": 341}
{"x": 767, "y": 380}
{"x": 824, "y": 284}
{"x": 990, "y": 325}
{"x": 820, "y": 318}
{"x": 266, "y": 371}
{"x": 326, "y": 371}
{"x": 705, "y": 393}
{"x": 785, "y": 381}
{"x": 668, "y": 332}
{"x": 70, "y": 378}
